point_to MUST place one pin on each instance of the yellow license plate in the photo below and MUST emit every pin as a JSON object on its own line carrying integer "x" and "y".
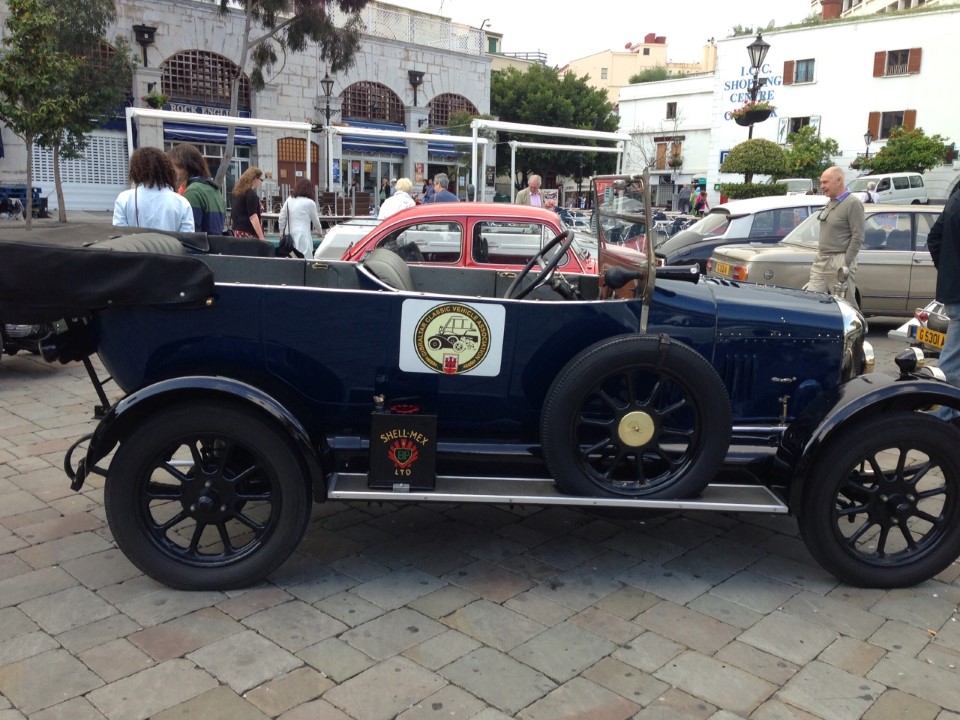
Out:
{"x": 722, "y": 269}
{"x": 930, "y": 337}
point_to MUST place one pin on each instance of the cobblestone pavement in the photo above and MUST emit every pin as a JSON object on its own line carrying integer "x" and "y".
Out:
{"x": 452, "y": 611}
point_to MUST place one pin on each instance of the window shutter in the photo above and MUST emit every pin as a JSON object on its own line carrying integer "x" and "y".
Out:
{"x": 873, "y": 124}
{"x": 788, "y": 72}
{"x": 879, "y": 63}
{"x": 913, "y": 60}
{"x": 909, "y": 119}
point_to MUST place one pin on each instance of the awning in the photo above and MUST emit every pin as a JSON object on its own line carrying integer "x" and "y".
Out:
{"x": 441, "y": 149}
{"x": 199, "y": 133}
{"x": 375, "y": 145}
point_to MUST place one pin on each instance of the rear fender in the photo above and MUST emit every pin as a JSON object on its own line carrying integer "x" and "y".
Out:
{"x": 866, "y": 396}
{"x": 124, "y": 417}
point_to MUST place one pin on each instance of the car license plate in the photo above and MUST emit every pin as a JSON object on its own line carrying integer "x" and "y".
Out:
{"x": 722, "y": 268}
{"x": 930, "y": 337}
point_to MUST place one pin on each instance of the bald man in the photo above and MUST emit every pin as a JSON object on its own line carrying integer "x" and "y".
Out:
{"x": 841, "y": 235}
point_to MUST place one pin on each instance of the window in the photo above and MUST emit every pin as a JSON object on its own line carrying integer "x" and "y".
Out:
{"x": 916, "y": 181}
{"x": 372, "y": 101}
{"x": 891, "y": 63}
{"x": 789, "y": 125}
{"x": 925, "y": 223}
{"x": 435, "y": 242}
{"x": 671, "y": 111}
{"x": 510, "y": 243}
{"x": 776, "y": 223}
{"x": 803, "y": 71}
{"x": 881, "y": 123}
{"x": 493, "y": 45}
{"x": 668, "y": 151}
{"x": 646, "y": 51}
{"x": 445, "y": 105}
{"x": 888, "y": 231}
{"x": 203, "y": 77}
{"x": 603, "y": 73}
{"x": 888, "y": 121}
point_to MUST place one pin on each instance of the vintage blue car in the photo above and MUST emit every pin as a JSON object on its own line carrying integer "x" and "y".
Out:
{"x": 256, "y": 385}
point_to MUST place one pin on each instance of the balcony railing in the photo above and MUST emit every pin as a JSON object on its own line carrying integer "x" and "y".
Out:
{"x": 896, "y": 69}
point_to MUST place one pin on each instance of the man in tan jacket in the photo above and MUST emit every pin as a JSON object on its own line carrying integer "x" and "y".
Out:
{"x": 531, "y": 195}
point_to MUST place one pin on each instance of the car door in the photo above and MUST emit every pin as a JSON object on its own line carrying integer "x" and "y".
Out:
{"x": 885, "y": 263}
{"x": 923, "y": 275}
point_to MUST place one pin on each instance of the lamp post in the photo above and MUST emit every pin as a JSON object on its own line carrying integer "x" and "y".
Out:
{"x": 867, "y": 139}
{"x": 757, "y": 50}
{"x": 327, "y": 84}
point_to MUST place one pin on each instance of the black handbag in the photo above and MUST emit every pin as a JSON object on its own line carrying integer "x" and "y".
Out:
{"x": 286, "y": 248}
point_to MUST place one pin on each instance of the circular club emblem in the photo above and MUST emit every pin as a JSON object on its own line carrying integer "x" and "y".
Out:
{"x": 452, "y": 338}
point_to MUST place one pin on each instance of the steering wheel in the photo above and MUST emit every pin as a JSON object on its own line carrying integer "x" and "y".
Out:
{"x": 564, "y": 240}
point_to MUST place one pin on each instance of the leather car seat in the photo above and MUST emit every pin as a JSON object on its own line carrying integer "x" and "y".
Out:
{"x": 389, "y": 268}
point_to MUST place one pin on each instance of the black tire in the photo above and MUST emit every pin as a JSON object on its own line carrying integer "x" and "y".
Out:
{"x": 205, "y": 496}
{"x": 678, "y": 406}
{"x": 891, "y": 532}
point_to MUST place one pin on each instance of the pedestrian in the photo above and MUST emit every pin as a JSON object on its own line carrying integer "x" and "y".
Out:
{"x": 440, "y": 192}
{"x": 384, "y": 190}
{"x": 298, "y": 213}
{"x": 400, "y": 200}
{"x": 701, "y": 205}
{"x": 209, "y": 208}
{"x": 532, "y": 196}
{"x": 872, "y": 196}
{"x": 153, "y": 201}
{"x": 841, "y": 235}
{"x": 683, "y": 200}
{"x": 943, "y": 242}
{"x": 247, "y": 210}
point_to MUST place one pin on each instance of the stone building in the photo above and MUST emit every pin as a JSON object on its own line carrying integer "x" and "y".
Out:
{"x": 412, "y": 72}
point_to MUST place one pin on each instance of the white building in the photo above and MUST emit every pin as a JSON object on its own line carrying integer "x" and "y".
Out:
{"x": 846, "y": 77}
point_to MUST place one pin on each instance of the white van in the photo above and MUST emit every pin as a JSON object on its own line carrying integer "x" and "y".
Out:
{"x": 903, "y": 188}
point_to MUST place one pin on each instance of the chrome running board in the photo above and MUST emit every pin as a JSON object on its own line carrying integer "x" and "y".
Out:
{"x": 538, "y": 491}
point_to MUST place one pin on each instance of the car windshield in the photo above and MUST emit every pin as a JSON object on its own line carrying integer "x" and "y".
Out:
{"x": 859, "y": 184}
{"x": 620, "y": 211}
{"x": 806, "y": 234}
{"x": 714, "y": 223}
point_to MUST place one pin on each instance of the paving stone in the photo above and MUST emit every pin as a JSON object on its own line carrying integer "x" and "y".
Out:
{"x": 716, "y": 682}
{"x": 669, "y": 584}
{"x": 350, "y": 609}
{"x": 776, "y": 710}
{"x": 607, "y": 626}
{"x": 25, "y": 646}
{"x": 648, "y": 652}
{"x": 757, "y": 592}
{"x": 57, "y": 552}
{"x": 115, "y": 660}
{"x": 642, "y": 546}
{"x": 98, "y": 633}
{"x": 244, "y": 660}
{"x": 60, "y": 527}
{"x": 446, "y": 560}
{"x": 949, "y": 635}
{"x": 19, "y": 502}
{"x": 442, "y": 602}
{"x": 725, "y": 611}
{"x": 159, "y": 606}
{"x": 768, "y": 667}
{"x": 312, "y": 582}
{"x": 577, "y": 589}
{"x": 450, "y": 703}
{"x": 335, "y": 659}
{"x": 155, "y": 689}
{"x": 530, "y": 567}
{"x": 13, "y": 622}
{"x": 316, "y": 710}
{"x": 101, "y": 569}
{"x": 398, "y": 588}
{"x": 385, "y": 690}
{"x": 489, "y": 581}
{"x": 392, "y": 633}
{"x": 863, "y": 598}
{"x": 834, "y": 614}
{"x": 852, "y": 655}
{"x": 626, "y": 680}
{"x": 536, "y": 607}
{"x": 287, "y": 691}
{"x": 129, "y": 590}
{"x": 916, "y": 607}
{"x": 11, "y": 566}
{"x": 919, "y": 678}
{"x": 687, "y": 627}
{"x": 627, "y": 602}
{"x": 442, "y": 649}
{"x": 359, "y": 568}
{"x": 493, "y": 625}
{"x": 294, "y": 625}
{"x": 802, "y": 572}
{"x": 498, "y": 679}
{"x": 578, "y": 699}
{"x": 676, "y": 705}
{"x": 829, "y": 692}
{"x": 47, "y": 679}
{"x": 67, "y": 609}
{"x": 789, "y": 637}
{"x": 563, "y": 651}
{"x": 895, "y": 704}
{"x": 901, "y": 638}
{"x": 221, "y": 703}
{"x": 74, "y": 709}
{"x": 26, "y": 586}
{"x": 565, "y": 552}
{"x": 253, "y": 601}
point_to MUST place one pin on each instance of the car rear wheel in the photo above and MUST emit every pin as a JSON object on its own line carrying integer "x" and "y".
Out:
{"x": 205, "y": 496}
{"x": 636, "y": 416}
{"x": 881, "y": 505}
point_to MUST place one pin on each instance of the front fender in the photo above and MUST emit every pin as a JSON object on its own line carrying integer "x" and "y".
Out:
{"x": 123, "y": 417}
{"x": 865, "y": 396}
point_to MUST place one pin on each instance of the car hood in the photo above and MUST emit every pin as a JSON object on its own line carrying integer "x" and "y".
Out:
{"x": 778, "y": 252}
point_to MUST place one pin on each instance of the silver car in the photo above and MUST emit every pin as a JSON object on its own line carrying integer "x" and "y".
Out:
{"x": 895, "y": 272}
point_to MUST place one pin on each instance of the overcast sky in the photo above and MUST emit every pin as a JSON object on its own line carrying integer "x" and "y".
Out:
{"x": 565, "y": 30}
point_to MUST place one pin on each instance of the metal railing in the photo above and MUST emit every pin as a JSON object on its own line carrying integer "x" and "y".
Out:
{"x": 896, "y": 69}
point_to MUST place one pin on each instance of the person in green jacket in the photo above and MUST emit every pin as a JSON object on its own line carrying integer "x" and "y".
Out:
{"x": 209, "y": 209}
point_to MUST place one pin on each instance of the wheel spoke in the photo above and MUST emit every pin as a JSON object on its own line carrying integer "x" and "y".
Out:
{"x": 908, "y": 536}
{"x": 932, "y": 492}
{"x": 255, "y": 496}
{"x": 858, "y": 533}
{"x": 680, "y": 404}
{"x": 615, "y": 463}
{"x": 249, "y": 522}
{"x": 851, "y": 510}
{"x": 882, "y": 540}
{"x": 228, "y": 548}
{"x": 587, "y": 452}
{"x": 609, "y": 401}
{"x": 878, "y": 473}
{"x": 161, "y": 491}
{"x": 242, "y": 475}
{"x": 595, "y": 422}
{"x": 195, "y": 540}
{"x": 661, "y": 453}
{"x": 928, "y": 517}
{"x": 919, "y": 473}
{"x": 176, "y": 519}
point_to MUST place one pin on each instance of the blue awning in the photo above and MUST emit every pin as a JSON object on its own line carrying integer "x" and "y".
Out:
{"x": 199, "y": 133}
{"x": 374, "y": 145}
{"x": 441, "y": 149}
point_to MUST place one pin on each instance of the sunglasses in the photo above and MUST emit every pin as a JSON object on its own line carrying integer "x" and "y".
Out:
{"x": 825, "y": 211}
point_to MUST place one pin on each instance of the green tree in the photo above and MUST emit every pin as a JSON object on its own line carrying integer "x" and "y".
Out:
{"x": 540, "y": 96}
{"x": 755, "y": 156}
{"x": 652, "y": 74}
{"x": 907, "y": 151}
{"x": 274, "y": 27}
{"x": 35, "y": 94}
{"x": 809, "y": 155}
{"x": 101, "y": 82}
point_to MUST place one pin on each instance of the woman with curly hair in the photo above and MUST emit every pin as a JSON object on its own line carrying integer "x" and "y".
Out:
{"x": 246, "y": 209}
{"x": 152, "y": 202}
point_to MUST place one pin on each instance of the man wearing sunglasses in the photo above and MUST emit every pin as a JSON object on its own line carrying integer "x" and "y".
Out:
{"x": 841, "y": 235}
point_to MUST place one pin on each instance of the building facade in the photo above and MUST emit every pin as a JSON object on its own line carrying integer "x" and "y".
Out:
{"x": 412, "y": 72}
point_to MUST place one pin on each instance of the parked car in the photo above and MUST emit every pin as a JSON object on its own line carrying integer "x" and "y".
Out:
{"x": 903, "y": 188}
{"x": 255, "y": 385}
{"x": 895, "y": 272}
{"x": 796, "y": 186}
{"x": 341, "y": 237}
{"x": 756, "y": 220}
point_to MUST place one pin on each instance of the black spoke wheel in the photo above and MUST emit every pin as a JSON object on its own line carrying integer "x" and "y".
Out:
{"x": 636, "y": 416}
{"x": 207, "y": 497}
{"x": 881, "y": 505}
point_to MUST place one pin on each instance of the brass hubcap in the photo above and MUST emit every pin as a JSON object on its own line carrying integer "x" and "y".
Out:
{"x": 636, "y": 429}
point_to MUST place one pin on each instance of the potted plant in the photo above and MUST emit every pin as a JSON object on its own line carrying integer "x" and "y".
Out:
{"x": 155, "y": 99}
{"x": 675, "y": 161}
{"x": 752, "y": 111}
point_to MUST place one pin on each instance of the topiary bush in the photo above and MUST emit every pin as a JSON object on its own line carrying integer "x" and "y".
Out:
{"x": 756, "y": 157}
{"x": 740, "y": 191}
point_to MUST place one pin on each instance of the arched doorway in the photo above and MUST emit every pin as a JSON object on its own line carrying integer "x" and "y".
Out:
{"x": 291, "y": 163}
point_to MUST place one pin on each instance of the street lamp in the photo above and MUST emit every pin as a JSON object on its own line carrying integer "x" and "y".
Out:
{"x": 327, "y": 84}
{"x": 867, "y": 139}
{"x": 757, "y": 50}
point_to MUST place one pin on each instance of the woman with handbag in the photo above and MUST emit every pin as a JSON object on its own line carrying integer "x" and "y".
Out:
{"x": 299, "y": 211}
{"x": 246, "y": 209}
